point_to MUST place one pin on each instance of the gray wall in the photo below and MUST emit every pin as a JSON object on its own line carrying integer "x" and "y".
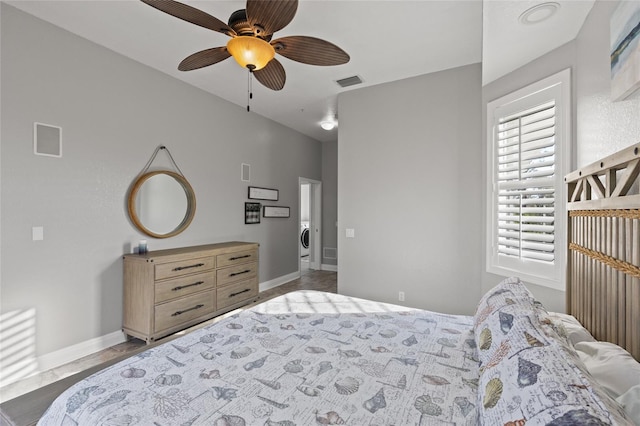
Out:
{"x": 329, "y": 198}
{"x": 408, "y": 167}
{"x": 114, "y": 112}
{"x": 600, "y": 126}
{"x": 604, "y": 127}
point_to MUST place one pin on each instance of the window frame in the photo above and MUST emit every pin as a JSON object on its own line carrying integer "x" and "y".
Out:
{"x": 557, "y": 87}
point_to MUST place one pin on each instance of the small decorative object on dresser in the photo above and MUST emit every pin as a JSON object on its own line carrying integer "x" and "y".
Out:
{"x": 166, "y": 291}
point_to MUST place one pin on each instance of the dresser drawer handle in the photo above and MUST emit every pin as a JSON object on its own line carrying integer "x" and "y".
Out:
{"x": 246, "y": 271}
{"x": 240, "y": 292}
{"x": 180, "y": 287}
{"x": 180, "y": 268}
{"x": 240, "y": 257}
{"x": 176, "y": 313}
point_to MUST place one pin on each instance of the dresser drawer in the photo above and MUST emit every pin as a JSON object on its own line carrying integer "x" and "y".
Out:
{"x": 236, "y": 273}
{"x": 178, "y": 287}
{"x": 179, "y": 311}
{"x": 189, "y": 266}
{"x": 237, "y": 292}
{"x": 237, "y": 257}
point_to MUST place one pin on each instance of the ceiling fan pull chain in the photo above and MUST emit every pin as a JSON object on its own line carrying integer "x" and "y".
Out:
{"x": 249, "y": 91}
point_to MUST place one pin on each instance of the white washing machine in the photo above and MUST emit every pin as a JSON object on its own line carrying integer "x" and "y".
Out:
{"x": 304, "y": 239}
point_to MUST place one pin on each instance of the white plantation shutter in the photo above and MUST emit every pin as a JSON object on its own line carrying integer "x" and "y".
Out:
{"x": 526, "y": 173}
{"x": 527, "y": 160}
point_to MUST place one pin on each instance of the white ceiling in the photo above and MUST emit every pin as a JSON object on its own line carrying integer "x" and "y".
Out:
{"x": 509, "y": 44}
{"x": 387, "y": 41}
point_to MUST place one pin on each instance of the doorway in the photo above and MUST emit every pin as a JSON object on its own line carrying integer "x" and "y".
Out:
{"x": 310, "y": 217}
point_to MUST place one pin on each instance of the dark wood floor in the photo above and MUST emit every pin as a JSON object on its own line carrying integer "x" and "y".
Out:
{"x": 26, "y": 407}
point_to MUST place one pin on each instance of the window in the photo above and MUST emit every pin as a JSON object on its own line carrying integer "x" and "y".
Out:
{"x": 528, "y": 155}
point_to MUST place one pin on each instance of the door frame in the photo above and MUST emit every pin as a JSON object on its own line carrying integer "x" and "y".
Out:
{"x": 315, "y": 223}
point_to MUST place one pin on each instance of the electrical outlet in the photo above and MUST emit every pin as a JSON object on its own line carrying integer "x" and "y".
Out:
{"x": 401, "y": 296}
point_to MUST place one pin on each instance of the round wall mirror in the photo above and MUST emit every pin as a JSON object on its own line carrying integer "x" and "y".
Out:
{"x": 161, "y": 204}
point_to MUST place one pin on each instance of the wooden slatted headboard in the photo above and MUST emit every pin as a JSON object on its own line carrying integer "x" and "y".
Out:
{"x": 603, "y": 276}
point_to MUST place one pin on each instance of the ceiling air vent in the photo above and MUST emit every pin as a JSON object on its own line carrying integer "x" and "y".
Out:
{"x": 349, "y": 81}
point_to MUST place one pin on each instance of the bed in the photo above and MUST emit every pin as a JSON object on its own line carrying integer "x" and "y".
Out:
{"x": 321, "y": 358}
{"x": 311, "y": 357}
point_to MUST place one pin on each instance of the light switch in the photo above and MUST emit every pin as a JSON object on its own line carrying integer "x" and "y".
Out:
{"x": 351, "y": 233}
{"x": 37, "y": 233}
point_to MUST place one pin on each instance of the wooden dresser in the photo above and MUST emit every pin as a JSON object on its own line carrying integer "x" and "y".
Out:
{"x": 169, "y": 290}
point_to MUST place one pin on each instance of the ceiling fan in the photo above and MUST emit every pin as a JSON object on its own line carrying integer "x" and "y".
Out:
{"x": 251, "y": 30}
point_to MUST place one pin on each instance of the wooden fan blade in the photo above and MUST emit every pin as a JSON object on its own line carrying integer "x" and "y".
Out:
{"x": 310, "y": 50}
{"x": 191, "y": 14}
{"x": 204, "y": 58}
{"x": 271, "y": 15}
{"x": 272, "y": 76}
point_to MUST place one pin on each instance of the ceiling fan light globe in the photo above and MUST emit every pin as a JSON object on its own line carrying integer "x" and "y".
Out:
{"x": 251, "y": 52}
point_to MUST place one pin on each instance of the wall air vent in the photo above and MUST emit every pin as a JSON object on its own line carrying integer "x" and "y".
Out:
{"x": 349, "y": 81}
{"x": 329, "y": 253}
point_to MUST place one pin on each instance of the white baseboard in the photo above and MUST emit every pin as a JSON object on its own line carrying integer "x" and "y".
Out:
{"x": 279, "y": 281}
{"x": 326, "y": 267}
{"x": 79, "y": 350}
{"x": 32, "y": 365}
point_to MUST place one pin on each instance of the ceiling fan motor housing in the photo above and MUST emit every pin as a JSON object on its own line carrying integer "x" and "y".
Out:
{"x": 240, "y": 24}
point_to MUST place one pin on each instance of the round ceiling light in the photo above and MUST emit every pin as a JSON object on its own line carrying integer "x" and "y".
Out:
{"x": 328, "y": 125}
{"x": 539, "y": 13}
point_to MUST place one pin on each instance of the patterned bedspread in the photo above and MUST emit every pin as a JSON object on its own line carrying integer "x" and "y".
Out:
{"x": 304, "y": 358}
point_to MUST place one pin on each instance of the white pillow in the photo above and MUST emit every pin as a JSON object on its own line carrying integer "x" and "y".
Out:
{"x": 575, "y": 331}
{"x": 630, "y": 401}
{"x": 610, "y": 365}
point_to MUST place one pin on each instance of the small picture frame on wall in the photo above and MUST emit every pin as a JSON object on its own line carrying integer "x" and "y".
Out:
{"x": 251, "y": 213}
{"x": 256, "y": 193}
{"x": 275, "y": 211}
